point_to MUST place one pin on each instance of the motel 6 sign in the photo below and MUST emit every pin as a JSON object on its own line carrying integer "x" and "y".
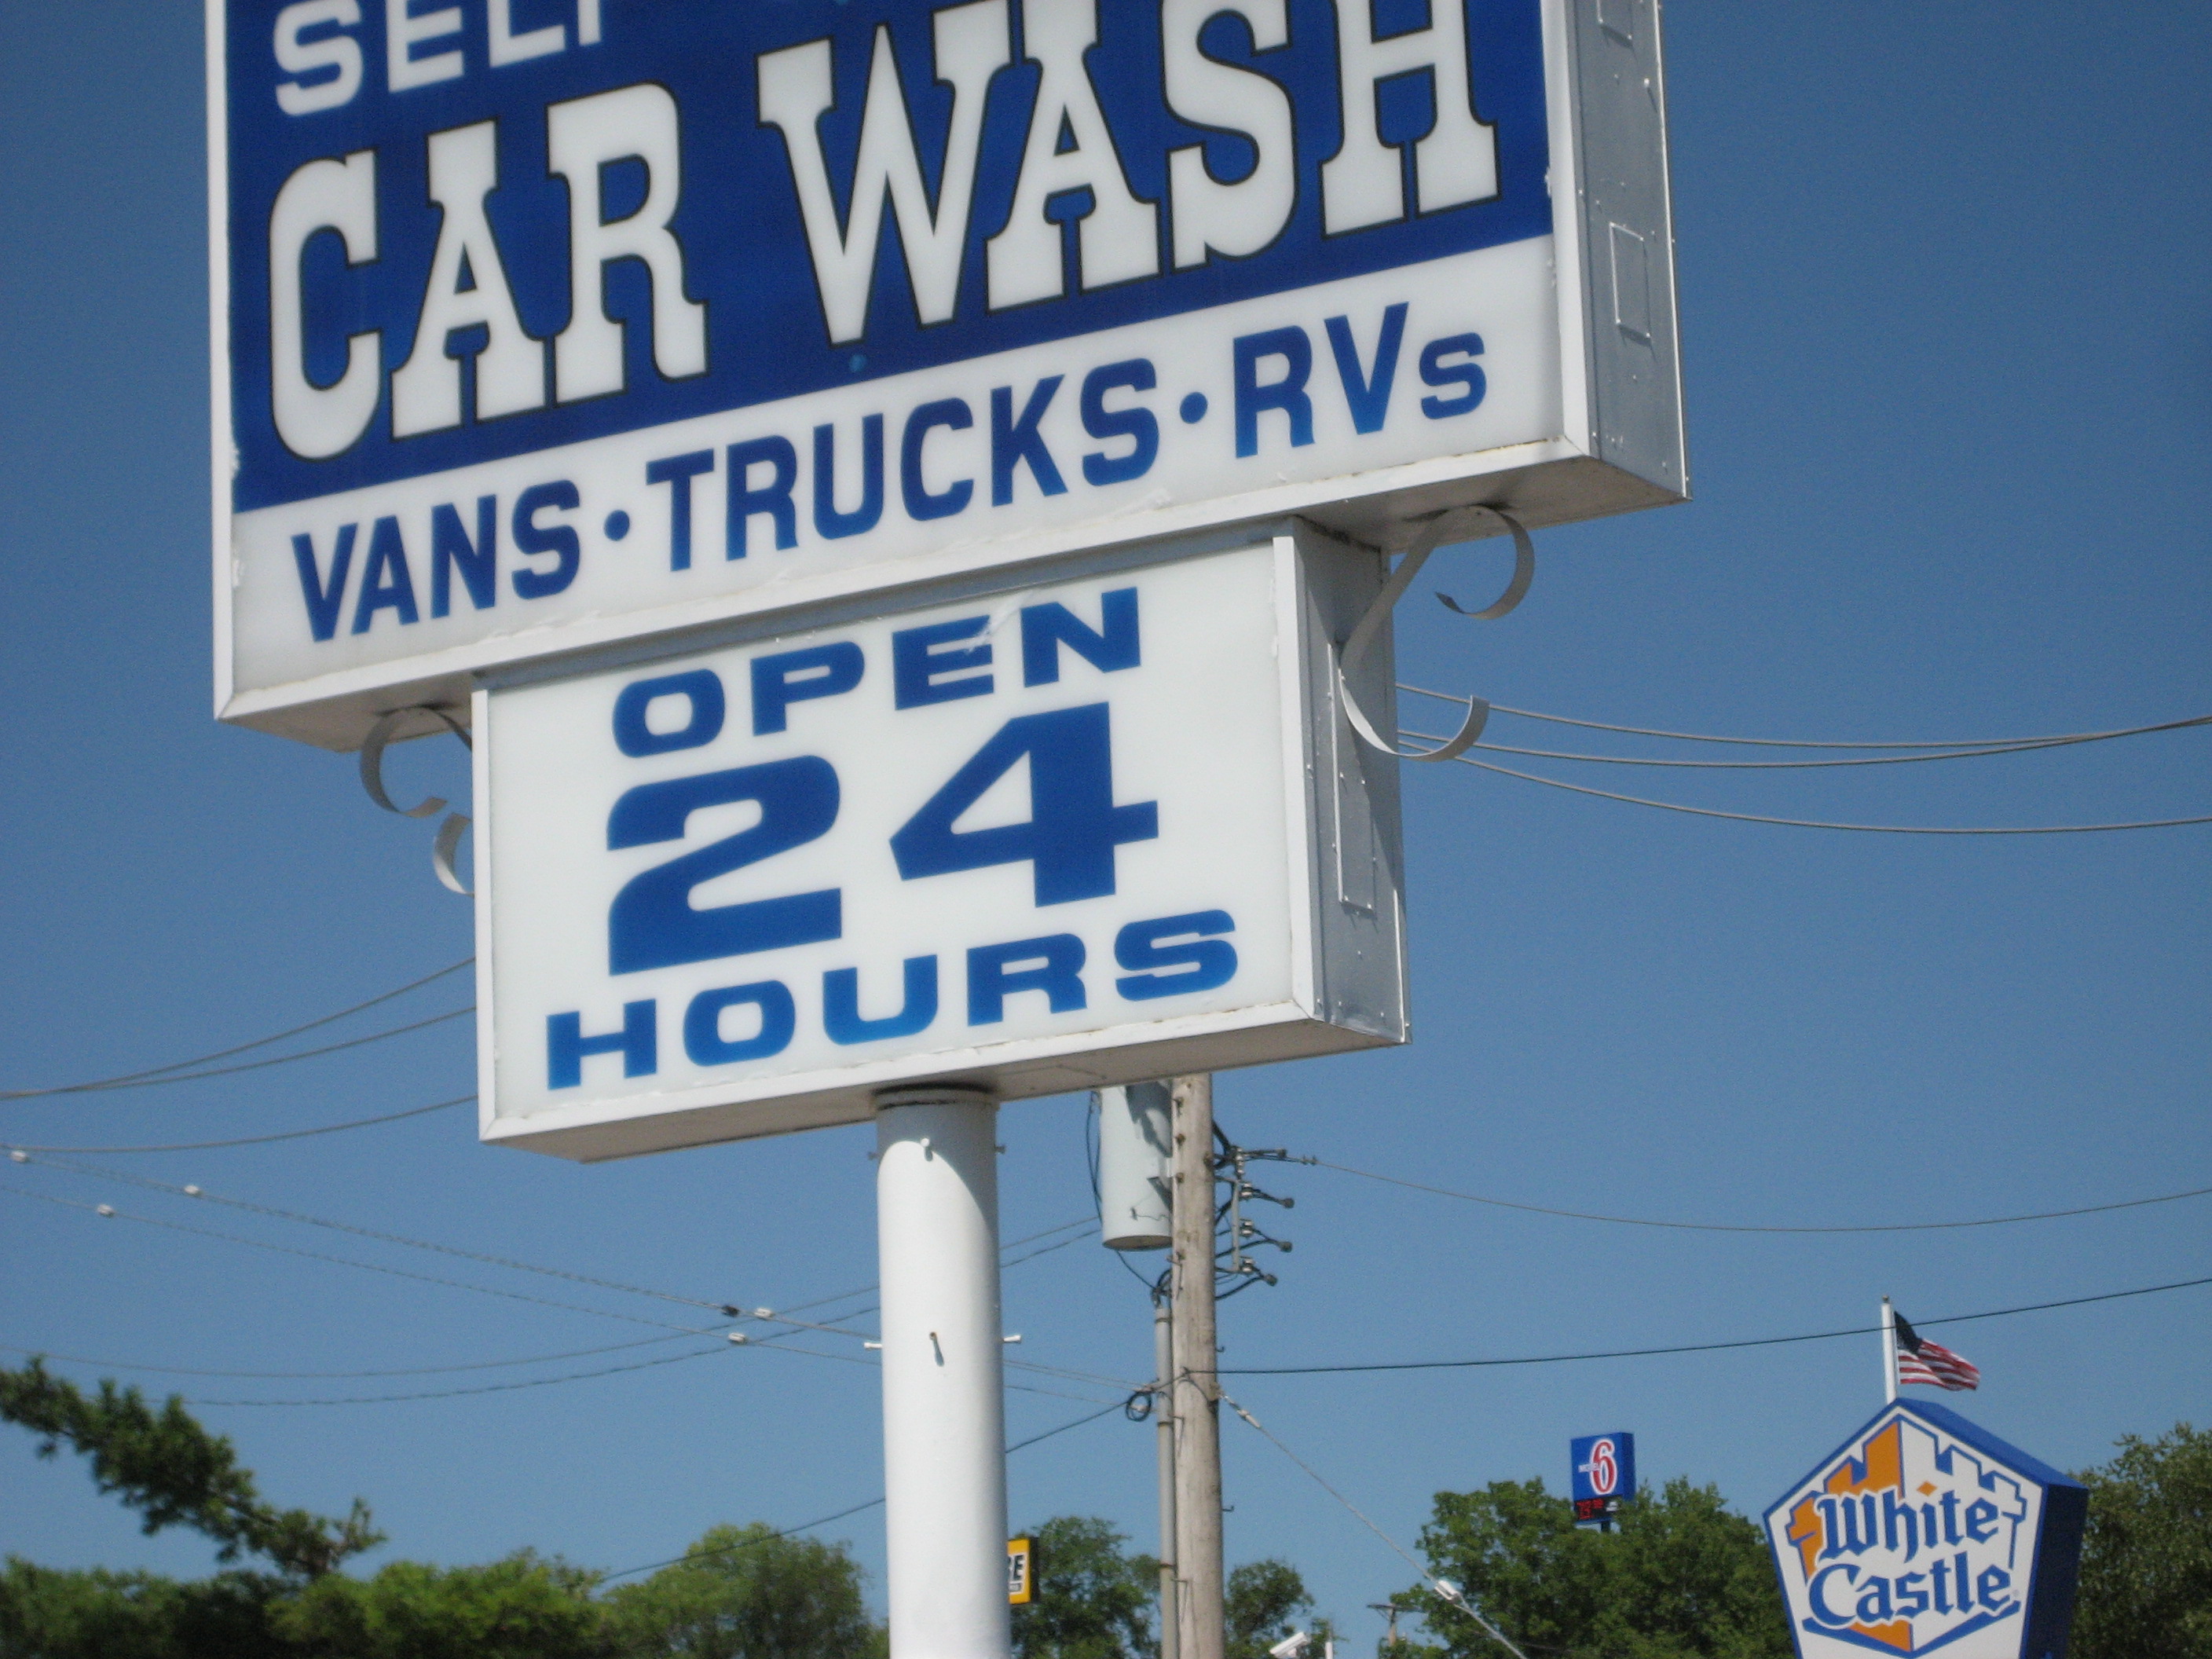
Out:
{"x": 1924, "y": 1534}
{"x": 884, "y": 484}
{"x": 1604, "y": 1474}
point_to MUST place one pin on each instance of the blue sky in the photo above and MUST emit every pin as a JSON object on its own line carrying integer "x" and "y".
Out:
{"x": 1949, "y": 365}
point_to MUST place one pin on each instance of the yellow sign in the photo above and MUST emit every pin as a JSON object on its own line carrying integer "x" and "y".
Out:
{"x": 1021, "y": 1573}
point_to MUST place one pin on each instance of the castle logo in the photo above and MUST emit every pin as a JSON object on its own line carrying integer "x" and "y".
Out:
{"x": 1922, "y": 1534}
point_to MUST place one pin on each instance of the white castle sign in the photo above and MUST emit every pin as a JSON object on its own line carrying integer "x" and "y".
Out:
{"x": 1923, "y": 1534}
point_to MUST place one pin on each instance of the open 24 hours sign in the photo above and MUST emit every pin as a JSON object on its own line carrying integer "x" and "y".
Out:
{"x": 1034, "y": 839}
{"x": 545, "y": 324}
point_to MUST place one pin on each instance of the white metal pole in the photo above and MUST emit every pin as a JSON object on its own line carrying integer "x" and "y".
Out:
{"x": 1197, "y": 1393}
{"x": 1888, "y": 1353}
{"x": 945, "y": 1460}
{"x": 1164, "y": 1405}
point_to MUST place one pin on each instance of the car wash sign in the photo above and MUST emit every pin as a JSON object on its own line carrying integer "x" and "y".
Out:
{"x": 550, "y": 323}
{"x": 1923, "y": 1534}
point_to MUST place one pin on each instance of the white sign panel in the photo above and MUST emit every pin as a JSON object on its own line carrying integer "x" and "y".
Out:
{"x": 538, "y": 334}
{"x": 1926, "y": 1534}
{"x": 1038, "y": 840}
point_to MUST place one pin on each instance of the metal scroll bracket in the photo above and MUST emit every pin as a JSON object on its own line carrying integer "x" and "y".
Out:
{"x": 1433, "y": 534}
{"x": 442, "y": 851}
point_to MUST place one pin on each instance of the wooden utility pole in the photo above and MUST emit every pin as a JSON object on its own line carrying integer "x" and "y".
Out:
{"x": 1197, "y": 1392}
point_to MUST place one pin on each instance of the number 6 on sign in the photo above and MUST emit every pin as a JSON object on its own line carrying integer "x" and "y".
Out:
{"x": 1073, "y": 825}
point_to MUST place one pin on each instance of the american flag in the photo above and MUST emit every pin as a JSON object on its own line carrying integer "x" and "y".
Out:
{"x": 1919, "y": 1360}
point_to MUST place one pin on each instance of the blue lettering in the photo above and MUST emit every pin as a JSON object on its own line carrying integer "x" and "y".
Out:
{"x": 532, "y": 537}
{"x": 1468, "y": 376}
{"x": 567, "y": 1047}
{"x": 1994, "y": 1583}
{"x": 703, "y": 1040}
{"x": 386, "y": 583}
{"x": 1873, "y": 1600}
{"x": 324, "y": 603}
{"x": 1111, "y": 646}
{"x": 918, "y": 668}
{"x": 1910, "y": 1597}
{"x": 1981, "y": 1520}
{"x": 1898, "y": 1518}
{"x": 478, "y": 561}
{"x": 920, "y": 504}
{"x": 773, "y": 498}
{"x": 1053, "y": 964}
{"x": 790, "y": 676}
{"x": 1287, "y": 394}
{"x": 701, "y": 688}
{"x": 840, "y": 1005}
{"x": 1368, "y": 393}
{"x": 1816, "y": 1595}
{"x": 1178, "y": 942}
{"x": 1136, "y": 423}
{"x": 1013, "y": 442}
{"x": 676, "y": 471}
{"x": 831, "y": 523}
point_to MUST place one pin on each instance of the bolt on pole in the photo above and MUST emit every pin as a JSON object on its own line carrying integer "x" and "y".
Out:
{"x": 1197, "y": 1391}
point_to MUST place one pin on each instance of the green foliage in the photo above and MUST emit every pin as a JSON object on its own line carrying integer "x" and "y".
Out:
{"x": 164, "y": 1465}
{"x": 1092, "y": 1601}
{"x": 2146, "y": 1589}
{"x": 523, "y": 1608}
{"x": 743, "y": 1593}
{"x": 1683, "y": 1577}
{"x": 1262, "y": 1601}
{"x": 46, "y": 1614}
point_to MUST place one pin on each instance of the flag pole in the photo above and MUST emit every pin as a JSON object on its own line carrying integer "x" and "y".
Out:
{"x": 1888, "y": 1353}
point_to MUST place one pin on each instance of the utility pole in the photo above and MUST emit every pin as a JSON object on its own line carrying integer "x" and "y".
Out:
{"x": 1163, "y": 1367}
{"x": 1197, "y": 1392}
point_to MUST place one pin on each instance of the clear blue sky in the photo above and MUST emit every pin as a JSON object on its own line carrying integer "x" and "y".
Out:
{"x": 1949, "y": 347}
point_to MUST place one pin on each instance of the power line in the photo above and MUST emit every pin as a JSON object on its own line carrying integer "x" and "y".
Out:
{"x": 1724, "y": 1227}
{"x": 110, "y": 1212}
{"x": 252, "y": 1140}
{"x": 487, "y": 1387}
{"x": 1802, "y": 743}
{"x": 1449, "y": 1591}
{"x": 241, "y": 1049}
{"x": 335, "y": 1376}
{"x": 249, "y": 1066}
{"x": 824, "y": 1521}
{"x": 1822, "y": 823}
{"x": 1691, "y": 1347}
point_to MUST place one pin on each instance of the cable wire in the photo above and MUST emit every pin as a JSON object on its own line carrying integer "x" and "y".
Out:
{"x": 1450, "y": 1592}
{"x": 252, "y": 1140}
{"x": 339, "y": 1376}
{"x": 486, "y": 1388}
{"x": 241, "y": 1049}
{"x": 1724, "y": 1227}
{"x": 1690, "y": 1347}
{"x": 1822, "y": 823}
{"x": 250, "y": 1066}
{"x": 824, "y": 1521}
{"x": 1803, "y": 743}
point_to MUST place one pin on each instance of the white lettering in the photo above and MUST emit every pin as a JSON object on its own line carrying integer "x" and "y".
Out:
{"x": 337, "y": 52}
{"x": 1118, "y": 239}
{"x": 971, "y": 43}
{"x": 1242, "y": 217}
{"x": 587, "y": 22}
{"x": 317, "y": 421}
{"x": 426, "y": 390}
{"x": 402, "y": 29}
{"x": 629, "y": 124}
{"x": 1456, "y": 163}
{"x": 509, "y": 47}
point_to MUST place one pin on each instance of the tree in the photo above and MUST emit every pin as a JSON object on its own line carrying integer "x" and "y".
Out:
{"x": 164, "y": 1465}
{"x": 746, "y": 1593}
{"x": 1092, "y": 1601}
{"x": 523, "y": 1608}
{"x": 50, "y": 1613}
{"x": 1683, "y": 1577}
{"x": 1260, "y": 1604}
{"x": 2146, "y": 1587}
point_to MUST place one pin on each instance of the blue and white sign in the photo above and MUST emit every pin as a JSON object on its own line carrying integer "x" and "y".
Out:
{"x": 1604, "y": 1473}
{"x": 544, "y": 325}
{"x": 1041, "y": 839}
{"x": 1924, "y": 1534}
